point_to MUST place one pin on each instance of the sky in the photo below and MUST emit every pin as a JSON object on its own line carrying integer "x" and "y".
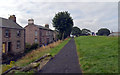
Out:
{"x": 92, "y": 15}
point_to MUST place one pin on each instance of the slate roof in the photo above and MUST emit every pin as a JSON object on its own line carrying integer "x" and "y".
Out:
{"x": 42, "y": 27}
{"x": 9, "y": 24}
{"x": 39, "y": 26}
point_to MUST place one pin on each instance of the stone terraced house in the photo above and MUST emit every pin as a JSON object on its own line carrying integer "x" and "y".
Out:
{"x": 12, "y": 36}
{"x": 39, "y": 34}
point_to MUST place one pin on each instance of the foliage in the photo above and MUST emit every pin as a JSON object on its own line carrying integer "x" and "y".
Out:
{"x": 76, "y": 31}
{"x": 29, "y": 47}
{"x": 103, "y": 32}
{"x": 63, "y": 23}
{"x": 86, "y": 32}
{"x": 24, "y": 73}
{"x": 5, "y": 67}
{"x": 12, "y": 62}
{"x": 98, "y": 54}
{"x": 34, "y": 46}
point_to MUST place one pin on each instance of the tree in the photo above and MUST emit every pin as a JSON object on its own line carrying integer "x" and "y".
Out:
{"x": 97, "y": 33}
{"x": 103, "y": 32}
{"x": 76, "y": 31}
{"x": 63, "y": 23}
{"x": 86, "y": 32}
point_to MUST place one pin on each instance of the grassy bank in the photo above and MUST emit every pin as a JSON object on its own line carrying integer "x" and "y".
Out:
{"x": 98, "y": 54}
{"x": 53, "y": 49}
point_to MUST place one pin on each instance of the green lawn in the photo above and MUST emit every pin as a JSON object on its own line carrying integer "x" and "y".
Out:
{"x": 97, "y": 54}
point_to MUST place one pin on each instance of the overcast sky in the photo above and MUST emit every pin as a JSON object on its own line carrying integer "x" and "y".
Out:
{"x": 86, "y": 14}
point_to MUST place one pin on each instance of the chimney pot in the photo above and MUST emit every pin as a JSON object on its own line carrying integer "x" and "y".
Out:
{"x": 47, "y": 25}
{"x": 30, "y": 22}
{"x": 12, "y": 17}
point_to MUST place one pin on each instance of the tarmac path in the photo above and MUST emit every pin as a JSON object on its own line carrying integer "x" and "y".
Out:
{"x": 66, "y": 61}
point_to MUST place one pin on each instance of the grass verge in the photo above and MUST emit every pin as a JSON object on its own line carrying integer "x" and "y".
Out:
{"x": 98, "y": 54}
{"x": 53, "y": 49}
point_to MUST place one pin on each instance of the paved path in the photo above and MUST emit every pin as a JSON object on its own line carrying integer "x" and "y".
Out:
{"x": 66, "y": 61}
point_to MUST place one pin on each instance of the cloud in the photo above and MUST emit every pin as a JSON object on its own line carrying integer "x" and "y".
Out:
{"x": 91, "y": 15}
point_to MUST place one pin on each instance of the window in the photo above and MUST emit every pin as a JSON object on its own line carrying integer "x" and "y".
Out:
{"x": 35, "y": 40}
{"x": 36, "y": 33}
{"x": 18, "y": 44}
{"x": 40, "y": 33}
{"x": 7, "y": 34}
{"x": 18, "y": 33}
{"x": 47, "y": 33}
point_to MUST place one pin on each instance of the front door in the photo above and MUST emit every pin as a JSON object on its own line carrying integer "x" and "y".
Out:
{"x": 3, "y": 47}
{"x": 9, "y": 46}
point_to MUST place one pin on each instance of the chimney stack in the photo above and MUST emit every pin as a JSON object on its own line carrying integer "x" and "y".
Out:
{"x": 30, "y": 22}
{"x": 13, "y": 18}
{"x": 47, "y": 25}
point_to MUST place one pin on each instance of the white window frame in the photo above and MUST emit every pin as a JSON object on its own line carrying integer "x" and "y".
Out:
{"x": 36, "y": 40}
{"x": 36, "y": 33}
{"x": 18, "y": 44}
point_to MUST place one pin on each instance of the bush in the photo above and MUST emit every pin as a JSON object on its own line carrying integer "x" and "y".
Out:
{"x": 34, "y": 46}
{"x": 29, "y": 47}
{"x": 5, "y": 67}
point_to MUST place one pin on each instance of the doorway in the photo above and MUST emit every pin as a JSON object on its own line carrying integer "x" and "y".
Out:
{"x": 9, "y": 46}
{"x": 3, "y": 47}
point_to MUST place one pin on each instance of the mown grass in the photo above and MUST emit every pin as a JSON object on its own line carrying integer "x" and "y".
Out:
{"x": 53, "y": 49}
{"x": 98, "y": 54}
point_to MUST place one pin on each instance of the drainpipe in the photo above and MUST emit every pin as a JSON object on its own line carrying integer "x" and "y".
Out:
{"x": 0, "y": 46}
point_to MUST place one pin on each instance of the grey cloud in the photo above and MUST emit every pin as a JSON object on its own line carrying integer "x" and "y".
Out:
{"x": 91, "y": 15}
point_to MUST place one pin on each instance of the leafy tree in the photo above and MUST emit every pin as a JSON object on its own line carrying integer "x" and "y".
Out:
{"x": 86, "y": 32}
{"x": 97, "y": 33}
{"x": 67, "y": 33}
{"x": 76, "y": 31}
{"x": 63, "y": 23}
{"x": 103, "y": 32}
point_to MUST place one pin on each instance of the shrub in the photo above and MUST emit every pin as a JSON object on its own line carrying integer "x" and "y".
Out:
{"x": 6, "y": 67}
{"x": 29, "y": 47}
{"x": 34, "y": 46}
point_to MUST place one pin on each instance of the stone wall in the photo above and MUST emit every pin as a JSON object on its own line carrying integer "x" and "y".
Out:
{"x": 30, "y": 34}
{"x": 44, "y": 36}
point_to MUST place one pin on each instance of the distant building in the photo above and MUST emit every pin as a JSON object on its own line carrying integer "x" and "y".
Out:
{"x": 115, "y": 34}
{"x": 39, "y": 34}
{"x": 13, "y": 36}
